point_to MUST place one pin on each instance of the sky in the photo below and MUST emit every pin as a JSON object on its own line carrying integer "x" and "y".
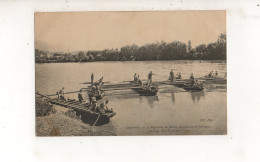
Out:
{"x": 82, "y": 31}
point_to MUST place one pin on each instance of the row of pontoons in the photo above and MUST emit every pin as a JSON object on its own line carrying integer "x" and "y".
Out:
{"x": 100, "y": 118}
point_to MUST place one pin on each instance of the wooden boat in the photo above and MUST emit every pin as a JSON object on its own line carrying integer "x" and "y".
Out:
{"x": 180, "y": 85}
{"x": 145, "y": 91}
{"x": 189, "y": 87}
{"x": 87, "y": 115}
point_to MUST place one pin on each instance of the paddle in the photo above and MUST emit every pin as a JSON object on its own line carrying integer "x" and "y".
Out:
{"x": 96, "y": 121}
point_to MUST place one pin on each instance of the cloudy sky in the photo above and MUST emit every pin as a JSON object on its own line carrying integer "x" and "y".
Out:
{"x": 75, "y": 31}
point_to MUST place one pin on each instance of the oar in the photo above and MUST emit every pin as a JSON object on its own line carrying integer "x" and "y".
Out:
{"x": 113, "y": 121}
{"x": 67, "y": 92}
{"x": 96, "y": 121}
{"x": 93, "y": 82}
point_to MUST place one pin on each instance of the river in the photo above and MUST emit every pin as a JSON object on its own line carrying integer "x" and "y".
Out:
{"x": 173, "y": 111}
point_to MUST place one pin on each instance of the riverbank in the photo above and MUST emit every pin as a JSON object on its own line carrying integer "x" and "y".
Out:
{"x": 60, "y": 124}
{"x": 104, "y": 61}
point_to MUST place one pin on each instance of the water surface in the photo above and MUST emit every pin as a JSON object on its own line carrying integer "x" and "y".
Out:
{"x": 172, "y": 111}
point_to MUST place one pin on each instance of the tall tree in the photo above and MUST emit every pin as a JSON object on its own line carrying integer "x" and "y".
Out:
{"x": 189, "y": 46}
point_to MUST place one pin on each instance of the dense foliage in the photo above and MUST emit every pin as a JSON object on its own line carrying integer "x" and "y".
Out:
{"x": 43, "y": 108}
{"x": 154, "y": 51}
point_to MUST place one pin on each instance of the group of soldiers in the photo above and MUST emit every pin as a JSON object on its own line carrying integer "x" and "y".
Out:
{"x": 137, "y": 79}
{"x": 60, "y": 94}
{"x": 211, "y": 74}
{"x": 102, "y": 108}
{"x": 149, "y": 79}
{"x": 96, "y": 89}
{"x": 172, "y": 77}
{"x": 92, "y": 104}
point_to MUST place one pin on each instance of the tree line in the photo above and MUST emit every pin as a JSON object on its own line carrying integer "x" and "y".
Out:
{"x": 175, "y": 50}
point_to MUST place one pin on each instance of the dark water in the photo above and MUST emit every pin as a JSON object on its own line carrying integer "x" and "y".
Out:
{"x": 172, "y": 111}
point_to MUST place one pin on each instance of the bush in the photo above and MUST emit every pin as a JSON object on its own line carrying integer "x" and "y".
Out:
{"x": 43, "y": 108}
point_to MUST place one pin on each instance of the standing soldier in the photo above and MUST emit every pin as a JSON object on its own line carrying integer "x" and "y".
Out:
{"x": 92, "y": 79}
{"x": 80, "y": 96}
{"x": 171, "y": 78}
{"x": 150, "y": 79}
{"x": 192, "y": 80}
{"x": 62, "y": 94}
{"x": 135, "y": 78}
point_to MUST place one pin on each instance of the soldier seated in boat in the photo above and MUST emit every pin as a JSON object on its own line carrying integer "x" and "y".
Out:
{"x": 139, "y": 81}
{"x": 104, "y": 106}
{"x": 93, "y": 105}
{"x": 210, "y": 74}
{"x": 80, "y": 97}
{"x": 216, "y": 73}
{"x": 92, "y": 99}
{"x": 101, "y": 108}
{"x": 178, "y": 76}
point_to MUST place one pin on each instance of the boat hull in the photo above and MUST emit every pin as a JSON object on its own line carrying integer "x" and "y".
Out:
{"x": 87, "y": 116}
{"x": 192, "y": 88}
{"x": 95, "y": 118}
{"x": 143, "y": 91}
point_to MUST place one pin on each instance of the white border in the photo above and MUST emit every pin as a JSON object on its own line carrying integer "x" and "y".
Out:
{"x": 17, "y": 137}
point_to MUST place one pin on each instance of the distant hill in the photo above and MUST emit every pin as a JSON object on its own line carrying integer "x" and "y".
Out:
{"x": 43, "y": 46}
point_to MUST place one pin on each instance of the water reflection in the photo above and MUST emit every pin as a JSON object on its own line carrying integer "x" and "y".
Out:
{"x": 141, "y": 99}
{"x": 173, "y": 97}
{"x": 195, "y": 96}
{"x": 150, "y": 99}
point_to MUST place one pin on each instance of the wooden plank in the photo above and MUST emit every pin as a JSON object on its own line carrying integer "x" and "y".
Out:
{"x": 69, "y": 104}
{"x": 63, "y": 103}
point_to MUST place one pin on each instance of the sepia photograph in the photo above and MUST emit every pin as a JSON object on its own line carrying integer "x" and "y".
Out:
{"x": 130, "y": 73}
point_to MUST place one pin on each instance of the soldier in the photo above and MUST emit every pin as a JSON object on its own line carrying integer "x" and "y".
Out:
{"x": 92, "y": 79}
{"x": 216, "y": 73}
{"x": 149, "y": 81}
{"x": 171, "y": 78}
{"x": 192, "y": 80}
{"x": 179, "y": 75}
{"x": 62, "y": 94}
{"x": 80, "y": 97}
{"x": 135, "y": 78}
{"x": 139, "y": 81}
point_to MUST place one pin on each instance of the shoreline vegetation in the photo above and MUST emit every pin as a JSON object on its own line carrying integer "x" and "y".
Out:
{"x": 53, "y": 120}
{"x": 160, "y": 51}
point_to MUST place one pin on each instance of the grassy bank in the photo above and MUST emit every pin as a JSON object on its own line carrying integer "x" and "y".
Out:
{"x": 62, "y": 123}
